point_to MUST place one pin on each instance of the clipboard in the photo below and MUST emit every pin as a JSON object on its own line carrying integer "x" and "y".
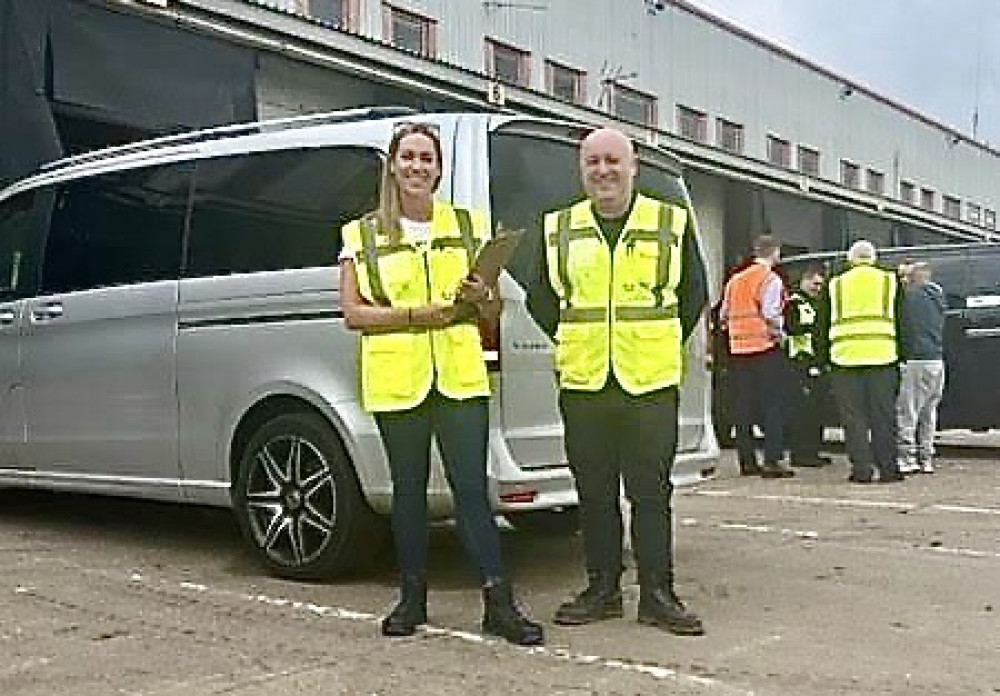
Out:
{"x": 495, "y": 254}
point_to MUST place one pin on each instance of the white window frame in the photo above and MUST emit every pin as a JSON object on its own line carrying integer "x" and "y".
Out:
{"x": 553, "y": 67}
{"x": 428, "y": 29}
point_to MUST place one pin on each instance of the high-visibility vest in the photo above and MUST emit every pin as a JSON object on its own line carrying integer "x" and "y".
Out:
{"x": 398, "y": 368}
{"x": 863, "y": 317}
{"x": 748, "y": 330}
{"x": 618, "y": 307}
{"x": 801, "y": 344}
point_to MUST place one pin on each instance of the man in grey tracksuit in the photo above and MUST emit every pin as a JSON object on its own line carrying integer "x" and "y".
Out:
{"x": 922, "y": 371}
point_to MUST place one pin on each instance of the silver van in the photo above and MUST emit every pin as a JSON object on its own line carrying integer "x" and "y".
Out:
{"x": 170, "y": 327}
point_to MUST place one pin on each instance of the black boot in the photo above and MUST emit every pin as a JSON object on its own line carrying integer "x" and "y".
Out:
{"x": 411, "y": 610}
{"x": 659, "y": 606}
{"x": 601, "y": 600}
{"x": 501, "y": 617}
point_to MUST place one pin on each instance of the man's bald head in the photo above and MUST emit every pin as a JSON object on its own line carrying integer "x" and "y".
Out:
{"x": 608, "y": 167}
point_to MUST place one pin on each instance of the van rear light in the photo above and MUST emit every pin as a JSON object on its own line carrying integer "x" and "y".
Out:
{"x": 519, "y": 497}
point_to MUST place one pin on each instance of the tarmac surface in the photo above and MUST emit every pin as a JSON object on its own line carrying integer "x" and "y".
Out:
{"x": 807, "y": 586}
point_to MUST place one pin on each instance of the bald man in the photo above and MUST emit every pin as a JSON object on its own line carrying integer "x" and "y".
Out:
{"x": 622, "y": 287}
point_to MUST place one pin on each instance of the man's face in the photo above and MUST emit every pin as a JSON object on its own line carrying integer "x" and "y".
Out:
{"x": 811, "y": 284}
{"x": 608, "y": 168}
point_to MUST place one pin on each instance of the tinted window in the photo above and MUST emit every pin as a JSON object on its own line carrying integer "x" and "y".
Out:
{"x": 530, "y": 176}
{"x": 277, "y": 210}
{"x": 23, "y": 220}
{"x": 985, "y": 272}
{"x": 118, "y": 228}
{"x": 949, "y": 270}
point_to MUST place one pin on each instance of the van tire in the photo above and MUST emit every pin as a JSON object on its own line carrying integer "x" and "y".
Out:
{"x": 308, "y": 523}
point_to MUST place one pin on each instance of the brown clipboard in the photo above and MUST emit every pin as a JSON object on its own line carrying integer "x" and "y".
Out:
{"x": 495, "y": 254}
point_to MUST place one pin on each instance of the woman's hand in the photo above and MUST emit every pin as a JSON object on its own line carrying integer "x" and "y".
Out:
{"x": 474, "y": 290}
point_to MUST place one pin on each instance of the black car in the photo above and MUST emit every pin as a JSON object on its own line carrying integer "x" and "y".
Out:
{"x": 970, "y": 277}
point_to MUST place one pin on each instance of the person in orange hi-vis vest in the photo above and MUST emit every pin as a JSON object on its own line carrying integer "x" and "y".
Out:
{"x": 753, "y": 312}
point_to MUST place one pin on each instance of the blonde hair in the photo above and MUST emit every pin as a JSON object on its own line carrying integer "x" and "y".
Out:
{"x": 388, "y": 212}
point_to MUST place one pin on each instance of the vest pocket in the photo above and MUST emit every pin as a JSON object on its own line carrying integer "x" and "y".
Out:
{"x": 581, "y": 354}
{"x": 389, "y": 367}
{"x": 459, "y": 361}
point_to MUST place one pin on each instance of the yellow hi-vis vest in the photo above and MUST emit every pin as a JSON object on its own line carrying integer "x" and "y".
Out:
{"x": 863, "y": 317}
{"x": 619, "y": 307}
{"x": 802, "y": 344}
{"x": 398, "y": 368}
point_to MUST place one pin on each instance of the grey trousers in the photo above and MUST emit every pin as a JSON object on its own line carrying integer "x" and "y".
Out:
{"x": 920, "y": 388}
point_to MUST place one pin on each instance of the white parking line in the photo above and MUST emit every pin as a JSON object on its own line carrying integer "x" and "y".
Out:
{"x": 850, "y": 502}
{"x": 655, "y": 671}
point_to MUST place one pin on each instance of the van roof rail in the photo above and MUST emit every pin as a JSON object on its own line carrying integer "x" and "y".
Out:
{"x": 232, "y": 130}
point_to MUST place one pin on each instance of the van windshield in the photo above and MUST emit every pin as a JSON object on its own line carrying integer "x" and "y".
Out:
{"x": 531, "y": 175}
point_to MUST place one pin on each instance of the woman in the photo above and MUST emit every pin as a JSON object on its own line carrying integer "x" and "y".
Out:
{"x": 406, "y": 285}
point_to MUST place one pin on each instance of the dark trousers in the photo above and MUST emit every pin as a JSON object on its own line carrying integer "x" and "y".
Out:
{"x": 612, "y": 435}
{"x": 758, "y": 390}
{"x": 461, "y": 429}
{"x": 807, "y": 397}
{"x": 866, "y": 397}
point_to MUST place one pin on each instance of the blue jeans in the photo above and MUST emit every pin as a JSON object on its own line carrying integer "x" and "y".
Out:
{"x": 461, "y": 429}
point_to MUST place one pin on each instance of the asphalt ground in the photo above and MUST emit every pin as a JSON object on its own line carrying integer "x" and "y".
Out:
{"x": 807, "y": 586}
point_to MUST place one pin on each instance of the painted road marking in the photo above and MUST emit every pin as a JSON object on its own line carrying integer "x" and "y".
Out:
{"x": 851, "y": 502}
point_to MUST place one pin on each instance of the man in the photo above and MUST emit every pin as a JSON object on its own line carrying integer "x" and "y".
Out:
{"x": 805, "y": 421}
{"x": 623, "y": 273}
{"x": 753, "y": 304}
{"x": 922, "y": 373}
{"x": 860, "y": 332}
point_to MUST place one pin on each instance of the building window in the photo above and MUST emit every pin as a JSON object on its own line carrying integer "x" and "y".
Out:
{"x": 692, "y": 124}
{"x": 507, "y": 64}
{"x": 907, "y": 192}
{"x": 564, "y": 83}
{"x": 779, "y": 152}
{"x": 989, "y": 219}
{"x": 729, "y": 135}
{"x": 410, "y": 31}
{"x": 850, "y": 174}
{"x": 808, "y": 161}
{"x": 973, "y": 213}
{"x": 927, "y": 200}
{"x": 632, "y": 105}
{"x": 876, "y": 182}
{"x": 952, "y": 208}
{"x": 342, "y": 14}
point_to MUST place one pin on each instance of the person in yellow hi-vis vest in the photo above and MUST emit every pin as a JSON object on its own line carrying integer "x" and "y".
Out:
{"x": 622, "y": 287}
{"x": 405, "y": 279}
{"x": 859, "y": 332}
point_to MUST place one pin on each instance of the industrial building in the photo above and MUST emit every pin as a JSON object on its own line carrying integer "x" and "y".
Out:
{"x": 769, "y": 140}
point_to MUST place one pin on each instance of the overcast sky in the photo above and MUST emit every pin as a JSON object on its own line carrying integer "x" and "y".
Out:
{"x": 935, "y": 56}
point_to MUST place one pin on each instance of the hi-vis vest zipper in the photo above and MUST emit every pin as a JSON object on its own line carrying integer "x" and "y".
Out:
{"x": 619, "y": 307}
{"x": 862, "y": 317}
{"x": 398, "y": 368}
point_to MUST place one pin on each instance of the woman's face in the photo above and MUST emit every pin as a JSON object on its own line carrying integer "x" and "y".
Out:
{"x": 415, "y": 167}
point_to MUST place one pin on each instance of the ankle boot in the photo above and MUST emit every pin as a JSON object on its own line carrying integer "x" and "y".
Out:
{"x": 601, "y": 600}
{"x": 501, "y": 617}
{"x": 659, "y": 606}
{"x": 411, "y": 610}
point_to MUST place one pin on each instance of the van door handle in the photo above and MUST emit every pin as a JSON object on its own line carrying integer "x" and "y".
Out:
{"x": 47, "y": 311}
{"x": 7, "y": 317}
{"x": 983, "y": 333}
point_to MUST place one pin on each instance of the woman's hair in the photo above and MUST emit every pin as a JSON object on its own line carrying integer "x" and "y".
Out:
{"x": 388, "y": 212}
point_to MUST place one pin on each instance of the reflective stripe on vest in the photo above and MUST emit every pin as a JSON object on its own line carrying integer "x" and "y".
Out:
{"x": 802, "y": 344}
{"x": 398, "y": 368}
{"x": 862, "y": 317}
{"x": 748, "y": 330}
{"x": 619, "y": 308}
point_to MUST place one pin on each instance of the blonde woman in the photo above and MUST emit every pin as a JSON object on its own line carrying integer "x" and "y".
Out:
{"x": 406, "y": 286}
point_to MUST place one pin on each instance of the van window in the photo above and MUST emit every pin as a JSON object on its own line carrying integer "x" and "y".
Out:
{"x": 985, "y": 272}
{"x": 530, "y": 176}
{"x": 117, "y": 228}
{"x": 23, "y": 219}
{"x": 277, "y": 210}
